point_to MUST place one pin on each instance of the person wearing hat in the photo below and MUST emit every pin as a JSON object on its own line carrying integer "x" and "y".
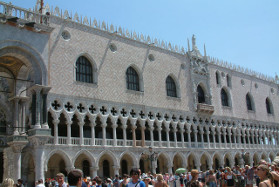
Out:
{"x": 194, "y": 182}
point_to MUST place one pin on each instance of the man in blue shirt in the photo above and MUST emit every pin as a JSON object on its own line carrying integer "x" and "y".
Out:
{"x": 135, "y": 179}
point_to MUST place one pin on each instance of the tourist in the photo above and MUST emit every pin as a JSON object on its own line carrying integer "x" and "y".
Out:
{"x": 160, "y": 181}
{"x": 147, "y": 181}
{"x": 75, "y": 178}
{"x": 249, "y": 176}
{"x": 135, "y": 180}
{"x": 265, "y": 176}
{"x": 19, "y": 183}
{"x": 211, "y": 180}
{"x": 124, "y": 182}
{"x": 8, "y": 182}
{"x": 116, "y": 181}
{"x": 60, "y": 180}
{"x": 194, "y": 182}
{"x": 40, "y": 183}
{"x": 172, "y": 180}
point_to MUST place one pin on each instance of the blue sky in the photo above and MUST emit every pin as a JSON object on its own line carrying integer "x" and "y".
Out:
{"x": 243, "y": 32}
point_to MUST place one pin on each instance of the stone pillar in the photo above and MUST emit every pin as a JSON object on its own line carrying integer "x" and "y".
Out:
{"x": 17, "y": 146}
{"x": 225, "y": 137}
{"x": 94, "y": 171}
{"x": 160, "y": 132}
{"x": 104, "y": 125}
{"x": 182, "y": 134}
{"x": 230, "y": 138}
{"x": 151, "y": 135}
{"x": 16, "y": 115}
{"x": 69, "y": 134}
{"x": 219, "y": 137}
{"x": 142, "y": 124}
{"x": 151, "y": 128}
{"x": 55, "y": 124}
{"x": 196, "y": 137}
{"x": 170, "y": 169}
{"x": 208, "y": 138}
{"x": 38, "y": 107}
{"x": 116, "y": 170}
{"x": 114, "y": 126}
{"x": 189, "y": 136}
{"x": 167, "y": 123}
{"x": 174, "y": 133}
{"x": 23, "y": 125}
{"x": 124, "y": 127}
{"x": 134, "y": 126}
{"x": 92, "y": 119}
{"x": 248, "y": 140}
{"x": 202, "y": 140}
{"x": 213, "y": 135}
{"x": 81, "y": 124}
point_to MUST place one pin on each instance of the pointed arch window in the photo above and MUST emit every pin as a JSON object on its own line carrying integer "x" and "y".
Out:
{"x": 217, "y": 77}
{"x": 171, "y": 87}
{"x": 132, "y": 79}
{"x": 201, "y": 97}
{"x": 268, "y": 105}
{"x": 249, "y": 102}
{"x": 229, "y": 81}
{"x": 84, "y": 71}
{"x": 224, "y": 98}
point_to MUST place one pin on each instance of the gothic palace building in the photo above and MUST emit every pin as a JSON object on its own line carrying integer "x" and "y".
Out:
{"x": 77, "y": 93}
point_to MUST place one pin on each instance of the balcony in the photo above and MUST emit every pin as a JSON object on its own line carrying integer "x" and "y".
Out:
{"x": 205, "y": 108}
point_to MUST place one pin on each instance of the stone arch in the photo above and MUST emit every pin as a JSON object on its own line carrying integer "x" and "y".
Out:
{"x": 179, "y": 161}
{"x": 61, "y": 153}
{"x": 29, "y": 56}
{"x": 217, "y": 161}
{"x": 130, "y": 159}
{"x": 193, "y": 161}
{"x": 140, "y": 74}
{"x": 163, "y": 162}
{"x": 93, "y": 65}
{"x": 205, "y": 92}
{"x": 110, "y": 158}
{"x": 228, "y": 159}
{"x": 28, "y": 168}
{"x": 272, "y": 156}
{"x": 87, "y": 154}
{"x": 205, "y": 161}
{"x": 250, "y": 96}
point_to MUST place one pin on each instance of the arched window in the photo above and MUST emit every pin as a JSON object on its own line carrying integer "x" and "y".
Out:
{"x": 224, "y": 98}
{"x": 249, "y": 102}
{"x": 132, "y": 79}
{"x": 201, "y": 98}
{"x": 84, "y": 70}
{"x": 86, "y": 168}
{"x": 171, "y": 87}
{"x": 217, "y": 77}
{"x": 229, "y": 81}
{"x": 268, "y": 105}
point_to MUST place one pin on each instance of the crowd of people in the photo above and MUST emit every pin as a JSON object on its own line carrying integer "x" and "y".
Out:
{"x": 263, "y": 175}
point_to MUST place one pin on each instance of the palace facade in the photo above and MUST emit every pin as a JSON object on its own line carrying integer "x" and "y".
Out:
{"x": 78, "y": 93}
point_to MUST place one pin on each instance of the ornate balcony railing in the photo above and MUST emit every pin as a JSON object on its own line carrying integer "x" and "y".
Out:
{"x": 205, "y": 108}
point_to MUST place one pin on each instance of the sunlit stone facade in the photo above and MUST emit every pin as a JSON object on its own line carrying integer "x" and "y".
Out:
{"x": 76, "y": 93}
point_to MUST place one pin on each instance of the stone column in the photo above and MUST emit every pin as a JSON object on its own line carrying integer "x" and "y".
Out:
{"x": 55, "y": 124}
{"x": 182, "y": 130}
{"x": 230, "y": 138}
{"x": 225, "y": 137}
{"x": 38, "y": 107}
{"x": 114, "y": 126}
{"x": 94, "y": 171}
{"x": 104, "y": 125}
{"x": 92, "y": 119}
{"x": 202, "y": 140}
{"x": 219, "y": 137}
{"x": 16, "y": 115}
{"x": 208, "y": 138}
{"x": 167, "y": 123}
{"x": 69, "y": 134}
{"x": 160, "y": 132}
{"x": 213, "y": 135}
{"x": 189, "y": 135}
{"x": 124, "y": 127}
{"x": 151, "y": 128}
{"x": 17, "y": 149}
{"x": 23, "y": 125}
{"x": 170, "y": 169}
{"x": 248, "y": 140}
{"x": 142, "y": 124}
{"x": 196, "y": 136}
{"x": 81, "y": 124}
{"x": 134, "y": 126}
{"x": 116, "y": 170}
{"x": 174, "y": 133}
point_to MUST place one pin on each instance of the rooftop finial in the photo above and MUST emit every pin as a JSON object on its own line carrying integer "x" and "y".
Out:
{"x": 188, "y": 44}
{"x": 193, "y": 42}
{"x": 204, "y": 50}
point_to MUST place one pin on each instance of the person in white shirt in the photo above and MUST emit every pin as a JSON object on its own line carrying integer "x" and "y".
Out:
{"x": 40, "y": 183}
